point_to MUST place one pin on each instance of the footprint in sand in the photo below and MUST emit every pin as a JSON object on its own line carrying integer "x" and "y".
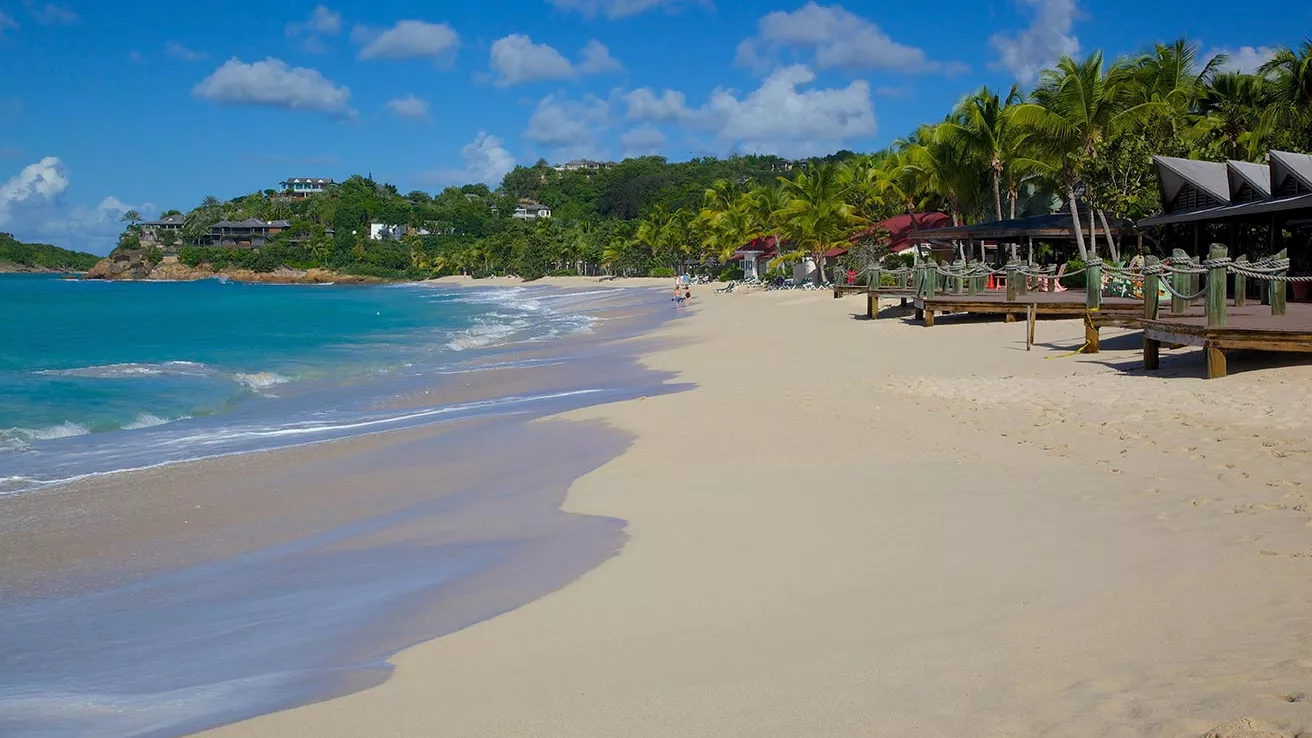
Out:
{"x": 1246, "y": 728}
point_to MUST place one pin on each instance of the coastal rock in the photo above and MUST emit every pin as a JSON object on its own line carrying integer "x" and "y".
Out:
{"x": 133, "y": 265}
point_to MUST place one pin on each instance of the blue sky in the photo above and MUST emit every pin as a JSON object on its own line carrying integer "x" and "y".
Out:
{"x": 154, "y": 105}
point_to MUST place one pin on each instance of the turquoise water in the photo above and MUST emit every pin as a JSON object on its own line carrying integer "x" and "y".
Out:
{"x": 219, "y": 367}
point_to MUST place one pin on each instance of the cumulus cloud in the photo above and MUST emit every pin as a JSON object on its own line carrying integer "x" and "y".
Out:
{"x": 271, "y": 83}
{"x": 516, "y": 59}
{"x": 1047, "y": 38}
{"x": 570, "y": 128}
{"x": 33, "y": 208}
{"x": 50, "y": 14}
{"x": 178, "y": 51}
{"x": 836, "y": 37}
{"x": 408, "y": 39}
{"x": 1245, "y": 59}
{"x": 323, "y": 23}
{"x": 485, "y": 160}
{"x": 644, "y": 105}
{"x": 782, "y": 118}
{"x": 642, "y": 141}
{"x": 614, "y": 9}
{"x": 409, "y": 107}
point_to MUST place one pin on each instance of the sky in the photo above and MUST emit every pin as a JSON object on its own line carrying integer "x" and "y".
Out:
{"x": 106, "y": 106}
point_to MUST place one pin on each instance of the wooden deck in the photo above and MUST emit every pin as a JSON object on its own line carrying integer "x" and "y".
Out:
{"x": 848, "y": 289}
{"x": 1070, "y": 303}
{"x": 872, "y": 298}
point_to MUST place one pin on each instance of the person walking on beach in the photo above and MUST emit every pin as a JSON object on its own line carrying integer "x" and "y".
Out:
{"x": 678, "y": 296}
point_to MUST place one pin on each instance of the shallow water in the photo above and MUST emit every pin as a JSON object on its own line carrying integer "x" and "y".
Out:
{"x": 184, "y": 596}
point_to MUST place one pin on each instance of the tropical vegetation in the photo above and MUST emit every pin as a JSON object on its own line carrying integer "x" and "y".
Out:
{"x": 1082, "y": 138}
{"x": 17, "y": 256}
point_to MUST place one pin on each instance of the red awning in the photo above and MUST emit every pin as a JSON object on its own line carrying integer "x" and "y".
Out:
{"x": 835, "y": 252}
{"x": 901, "y": 229}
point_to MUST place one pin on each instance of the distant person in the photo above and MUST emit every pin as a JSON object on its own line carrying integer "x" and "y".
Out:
{"x": 678, "y": 297}
{"x": 851, "y": 276}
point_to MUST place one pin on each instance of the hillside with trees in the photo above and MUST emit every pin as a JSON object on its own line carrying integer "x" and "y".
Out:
{"x": 16, "y": 256}
{"x": 1082, "y": 138}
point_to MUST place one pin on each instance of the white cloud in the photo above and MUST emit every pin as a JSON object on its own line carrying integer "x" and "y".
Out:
{"x": 837, "y": 37}
{"x": 6, "y": 23}
{"x": 643, "y": 104}
{"x": 50, "y": 14}
{"x": 516, "y": 59}
{"x": 408, "y": 39}
{"x": 485, "y": 159}
{"x": 614, "y": 9}
{"x": 178, "y": 51}
{"x": 32, "y": 207}
{"x": 1245, "y": 59}
{"x": 409, "y": 107}
{"x": 322, "y": 23}
{"x": 782, "y": 119}
{"x": 571, "y": 129}
{"x": 271, "y": 83}
{"x": 642, "y": 141}
{"x": 597, "y": 59}
{"x": 1047, "y": 38}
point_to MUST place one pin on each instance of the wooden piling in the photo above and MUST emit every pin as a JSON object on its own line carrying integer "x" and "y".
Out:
{"x": 1150, "y": 289}
{"x": 1179, "y": 283}
{"x": 1093, "y": 287}
{"x": 1031, "y": 312}
{"x": 1278, "y": 288}
{"x": 1241, "y": 283}
{"x": 1216, "y": 287}
{"x": 1011, "y": 281}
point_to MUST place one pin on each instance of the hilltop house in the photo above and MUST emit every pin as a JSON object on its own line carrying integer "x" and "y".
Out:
{"x": 167, "y": 223}
{"x": 583, "y": 165}
{"x": 383, "y": 231}
{"x": 305, "y": 186}
{"x": 531, "y": 210}
{"x": 249, "y": 232}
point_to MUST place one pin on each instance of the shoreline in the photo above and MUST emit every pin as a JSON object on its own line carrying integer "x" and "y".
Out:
{"x": 288, "y": 575}
{"x": 988, "y": 547}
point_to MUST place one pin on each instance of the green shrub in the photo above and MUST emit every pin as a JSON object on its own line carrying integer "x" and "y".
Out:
{"x": 730, "y": 274}
{"x": 155, "y": 255}
{"x": 192, "y": 256}
{"x": 662, "y": 272}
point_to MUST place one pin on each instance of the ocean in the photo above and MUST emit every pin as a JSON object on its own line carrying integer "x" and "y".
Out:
{"x": 216, "y": 581}
{"x": 102, "y": 376}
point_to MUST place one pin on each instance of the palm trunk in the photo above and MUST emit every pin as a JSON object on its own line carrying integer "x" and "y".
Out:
{"x": 1093, "y": 236}
{"x": 997, "y": 193}
{"x": 1079, "y": 233}
{"x": 1011, "y": 196}
{"x": 1112, "y": 246}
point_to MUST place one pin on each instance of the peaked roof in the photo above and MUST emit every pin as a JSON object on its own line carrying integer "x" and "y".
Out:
{"x": 1287, "y": 187}
{"x": 1286, "y": 165}
{"x": 1257, "y": 176}
{"x": 176, "y": 219}
{"x": 1207, "y": 177}
{"x": 308, "y": 180}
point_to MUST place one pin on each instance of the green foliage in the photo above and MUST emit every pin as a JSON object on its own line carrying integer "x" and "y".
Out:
{"x": 43, "y": 256}
{"x": 662, "y": 272}
{"x": 155, "y": 255}
{"x": 129, "y": 240}
{"x": 1075, "y": 281}
{"x": 730, "y": 274}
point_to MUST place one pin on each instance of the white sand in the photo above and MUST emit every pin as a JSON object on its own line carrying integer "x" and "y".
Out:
{"x": 877, "y": 529}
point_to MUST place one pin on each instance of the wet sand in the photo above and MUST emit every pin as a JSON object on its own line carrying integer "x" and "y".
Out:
{"x": 857, "y": 528}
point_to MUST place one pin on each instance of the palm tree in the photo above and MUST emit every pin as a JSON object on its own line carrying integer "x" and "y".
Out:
{"x": 1230, "y": 114}
{"x": 982, "y": 125}
{"x": 1290, "y": 86}
{"x": 763, "y": 204}
{"x": 132, "y": 218}
{"x": 1073, "y": 108}
{"x": 1170, "y": 80}
{"x": 817, "y": 216}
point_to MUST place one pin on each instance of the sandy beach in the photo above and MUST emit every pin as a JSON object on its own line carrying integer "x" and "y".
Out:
{"x": 857, "y": 528}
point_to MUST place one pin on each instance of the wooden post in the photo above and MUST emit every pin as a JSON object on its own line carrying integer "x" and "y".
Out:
{"x": 972, "y": 283}
{"x": 1278, "y": 288}
{"x": 1216, "y": 288}
{"x": 1178, "y": 282}
{"x": 1195, "y": 279}
{"x": 1090, "y": 335}
{"x": 1150, "y": 289}
{"x": 1052, "y": 282}
{"x": 929, "y": 318}
{"x": 958, "y": 282}
{"x": 1215, "y": 361}
{"x": 1241, "y": 283}
{"x": 1093, "y": 287}
{"x": 1011, "y": 281}
{"x": 1031, "y": 312}
{"x": 1023, "y": 287}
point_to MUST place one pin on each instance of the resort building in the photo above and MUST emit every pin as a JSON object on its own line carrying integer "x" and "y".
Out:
{"x": 583, "y": 165}
{"x": 531, "y": 210}
{"x": 167, "y": 223}
{"x": 305, "y": 186}
{"x": 383, "y": 231}
{"x": 249, "y": 232}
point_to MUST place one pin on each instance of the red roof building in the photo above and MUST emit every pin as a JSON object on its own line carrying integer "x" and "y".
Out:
{"x": 901, "y": 229}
